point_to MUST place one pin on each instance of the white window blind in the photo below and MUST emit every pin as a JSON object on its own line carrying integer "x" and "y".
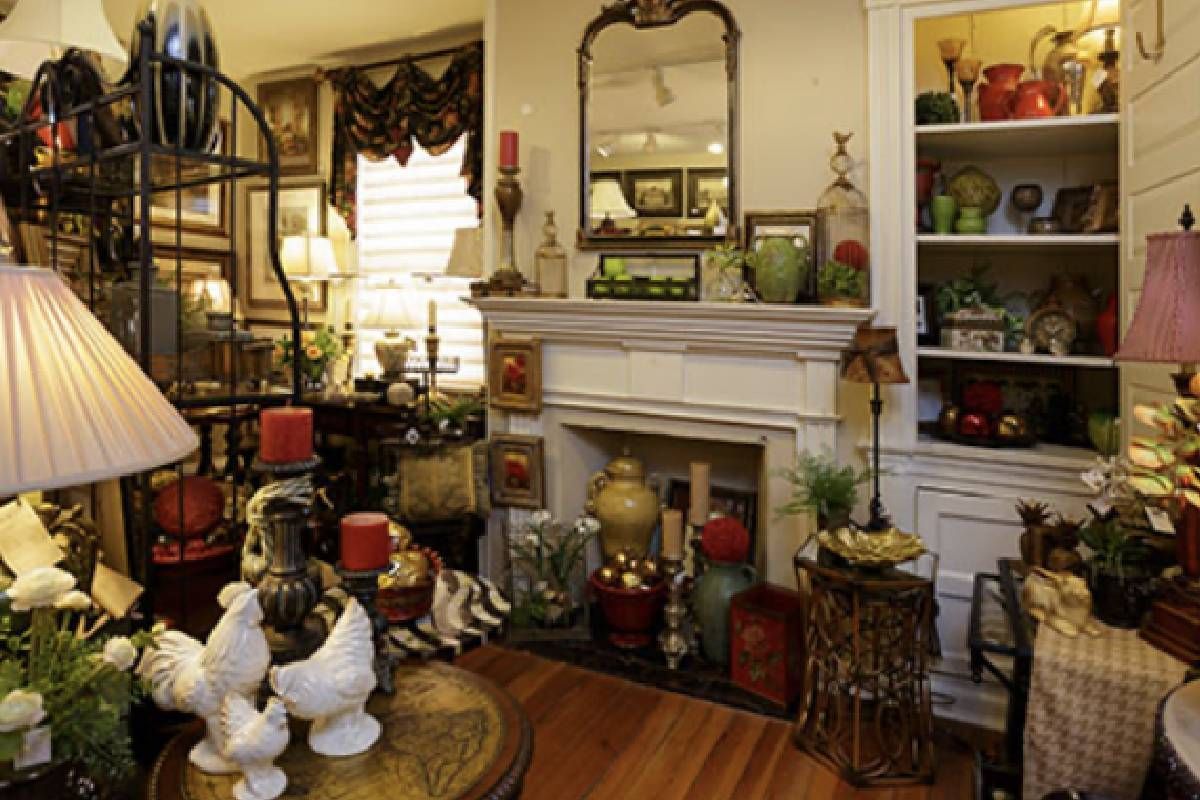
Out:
{"x": 407, "y": 217}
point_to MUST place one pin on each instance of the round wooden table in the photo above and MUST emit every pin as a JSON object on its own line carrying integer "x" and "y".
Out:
{"x": 447, "y": 735}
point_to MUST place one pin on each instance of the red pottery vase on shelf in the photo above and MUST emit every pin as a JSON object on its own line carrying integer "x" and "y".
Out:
{"x": 1106, "y": 327}
{"x": 1040, "y": 99}
{"x": 995, "y": 96}
{"x": 927, "y": 171}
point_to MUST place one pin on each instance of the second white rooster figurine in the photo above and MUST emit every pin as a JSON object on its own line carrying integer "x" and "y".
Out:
{"x": 331, "y": 687}
{"x": 253, "y": 741}
{"x": 188, "y": 676}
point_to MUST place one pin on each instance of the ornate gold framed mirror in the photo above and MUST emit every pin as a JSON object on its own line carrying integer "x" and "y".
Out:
{"x": 658, "y": 113}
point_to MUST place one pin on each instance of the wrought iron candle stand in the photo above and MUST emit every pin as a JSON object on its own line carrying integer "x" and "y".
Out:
{"x": 363, "y": 585}
{"x": 288, "y": 593}
{"x": 672, "y": 640}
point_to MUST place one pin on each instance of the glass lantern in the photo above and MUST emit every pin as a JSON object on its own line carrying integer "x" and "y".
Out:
{"x": 845, "y": 277}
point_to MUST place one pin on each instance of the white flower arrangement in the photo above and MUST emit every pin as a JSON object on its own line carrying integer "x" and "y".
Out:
{"x": 39, "y": 588}
{"x": 120, "y": 652}
{"x": 20, "y": 710}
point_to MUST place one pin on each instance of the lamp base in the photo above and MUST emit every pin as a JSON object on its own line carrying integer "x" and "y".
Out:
{"x": 392, "y": 354}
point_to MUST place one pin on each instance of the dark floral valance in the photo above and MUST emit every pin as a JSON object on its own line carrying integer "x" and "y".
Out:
{"x": 382, "y": 121}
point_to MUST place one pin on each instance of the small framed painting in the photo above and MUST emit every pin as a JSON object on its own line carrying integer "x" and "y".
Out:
{"x": 518, "y": 471}
{"x": 515, "y": 374}
{"x": 293, "y": 114}
{"x": 192, "y": 263}
{"x": 199, "y": 209}
{"x": 301, "y": 210}
{"x": 704, "y": 186}
{"x": 655, "y": 192}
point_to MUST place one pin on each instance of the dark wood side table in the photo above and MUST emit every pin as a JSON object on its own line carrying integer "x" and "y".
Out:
{"x": 865, "y": 710}
{"x": 448, "y": 734}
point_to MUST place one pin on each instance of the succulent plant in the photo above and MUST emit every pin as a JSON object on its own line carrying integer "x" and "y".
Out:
{"x": 1033, "y": 512}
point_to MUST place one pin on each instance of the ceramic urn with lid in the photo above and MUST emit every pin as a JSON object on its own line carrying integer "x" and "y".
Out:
{"x": 626, "y": 505}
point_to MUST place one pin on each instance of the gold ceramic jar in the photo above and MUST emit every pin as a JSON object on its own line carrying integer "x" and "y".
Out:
{"x": 626, "y": 507}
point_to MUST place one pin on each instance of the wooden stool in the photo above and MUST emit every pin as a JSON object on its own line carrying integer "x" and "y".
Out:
{"x": 865, "y": 709}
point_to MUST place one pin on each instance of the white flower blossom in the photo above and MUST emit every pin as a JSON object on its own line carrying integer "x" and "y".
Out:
{"x": 19, "y": 710}
{"x": 540, "y": 518}
{"x": 73, "y": 600}
{"x": 39, "y": 588}
{"x": 120, "y": 652}
{"x": 587, "y": 524}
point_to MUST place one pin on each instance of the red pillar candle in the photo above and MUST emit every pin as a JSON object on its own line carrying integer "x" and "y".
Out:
{"x": 285, "y": 435}
{"x": 509, "y": 149}
{"x": 366, "y": 541}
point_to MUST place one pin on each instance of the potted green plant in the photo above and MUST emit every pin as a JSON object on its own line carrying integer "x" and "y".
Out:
{"x": 822, "y": 487}
{"x": 841, "y": 284}
{"x": 722, "y": 274}
{"x": 547, "y": 563}
{"x": 1119, "y": 574}
{"x": 65, "y": 690}
{"x": 318, "y": 350}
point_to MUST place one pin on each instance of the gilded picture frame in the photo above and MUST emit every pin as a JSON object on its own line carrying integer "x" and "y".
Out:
{"x": 293, "y": 112}
{"x": 515, "y": 374}
{"x": 518, "y": 471}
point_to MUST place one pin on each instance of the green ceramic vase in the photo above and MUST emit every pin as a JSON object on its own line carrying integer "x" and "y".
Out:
{"x": 943, "y": 209}
{"x": 971, "y": 221}
{"x": 780, "y": 270}
{"x": 711, "y": 597}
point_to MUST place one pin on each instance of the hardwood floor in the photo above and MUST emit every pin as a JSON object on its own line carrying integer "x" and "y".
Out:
{"x": 599, "y": 737}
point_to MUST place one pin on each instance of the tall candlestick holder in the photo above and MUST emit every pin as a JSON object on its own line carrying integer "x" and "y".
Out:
{"x": 433, "y": 346}
{"x": 507, "y": 279}
{"x": 363, "y": 585}
{"x": 288, "y": 592}
{"x": 672, "y": 640}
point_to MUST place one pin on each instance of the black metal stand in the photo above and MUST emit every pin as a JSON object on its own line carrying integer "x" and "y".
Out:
{"x": 363, "y": 585}
{"x": 880, "y": 520}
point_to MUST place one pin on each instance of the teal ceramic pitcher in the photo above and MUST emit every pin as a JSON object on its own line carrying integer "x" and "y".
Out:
{"x": 710, "y": 601}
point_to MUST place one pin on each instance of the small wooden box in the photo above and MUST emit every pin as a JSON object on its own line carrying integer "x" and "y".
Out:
{"x": 766, "y": 641}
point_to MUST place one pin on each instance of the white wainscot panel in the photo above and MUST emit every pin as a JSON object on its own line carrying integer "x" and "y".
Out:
{"x": 765, "y": 384}
{"x": 656, "y": 375}
{"x": 598, "y": 370}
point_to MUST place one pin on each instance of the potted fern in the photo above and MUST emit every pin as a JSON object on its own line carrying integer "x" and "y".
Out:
{"x": 1119, "y": 574}
{"x": 820, "y": 486}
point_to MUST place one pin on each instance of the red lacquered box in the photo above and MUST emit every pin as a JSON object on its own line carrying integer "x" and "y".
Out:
{"x": 766, "y": 642}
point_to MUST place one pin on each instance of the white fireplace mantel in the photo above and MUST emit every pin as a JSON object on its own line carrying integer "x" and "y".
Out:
{"x": 763, "y": 376}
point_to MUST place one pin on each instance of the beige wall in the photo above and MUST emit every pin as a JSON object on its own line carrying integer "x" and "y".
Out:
{"x": 803, "y": 75}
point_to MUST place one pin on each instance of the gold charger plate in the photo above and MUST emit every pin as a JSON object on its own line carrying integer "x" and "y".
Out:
{"x": 446, "y": 734}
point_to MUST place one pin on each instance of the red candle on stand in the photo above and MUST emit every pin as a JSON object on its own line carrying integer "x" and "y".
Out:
{"x": 366, "y": 541}
{"x": 285, "y": 435}
{"x": 509, "y": 150}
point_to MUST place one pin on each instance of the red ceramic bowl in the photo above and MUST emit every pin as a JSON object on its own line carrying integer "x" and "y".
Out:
{"x": 630, "y": 613}
{"x": 406, "y": 603}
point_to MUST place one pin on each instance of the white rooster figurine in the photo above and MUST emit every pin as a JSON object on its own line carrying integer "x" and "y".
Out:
{"x": 331, "y": 687}
{"x": 253, "y": 741}
{"x": 187, "y": 676}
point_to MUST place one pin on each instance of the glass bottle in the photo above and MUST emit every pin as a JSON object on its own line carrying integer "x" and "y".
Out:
{"x": 551, "y": 261}
{"x": 844, "y": 277}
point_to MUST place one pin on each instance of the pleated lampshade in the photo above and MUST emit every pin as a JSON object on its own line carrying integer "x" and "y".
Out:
{"x": 74, "y": 407}
{"x": 1166, "y": 324}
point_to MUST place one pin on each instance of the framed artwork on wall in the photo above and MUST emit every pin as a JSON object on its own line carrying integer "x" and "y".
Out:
{"x": 705, "y": 185}
{"x": 293, "y": 114}
{"x": 515, "y": 374}
{"x": 202, "y": 209}
{"x": 655, "y": 192}
{"x": 518, "y": 471}
{"x": 301, "y": 210}
{"x": 193, "y": 263}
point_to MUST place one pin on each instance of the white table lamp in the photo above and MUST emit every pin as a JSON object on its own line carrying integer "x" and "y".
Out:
{"x": 608, "y": 204}
{"x": 466, "y": 255}
{"x": 74, "y": 407}
{"x": 388, "y": 311}
{"x": 36, "y": 31}
{"x": 308, "y": 260}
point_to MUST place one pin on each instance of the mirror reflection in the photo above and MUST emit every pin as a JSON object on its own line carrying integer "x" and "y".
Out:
{"x": 657, "y": 132}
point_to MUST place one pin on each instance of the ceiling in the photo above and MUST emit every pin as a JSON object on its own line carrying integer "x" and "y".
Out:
{"x": 264, "y": 35}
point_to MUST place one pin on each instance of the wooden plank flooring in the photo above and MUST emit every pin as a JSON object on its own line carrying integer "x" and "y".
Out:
{"x": 603, "y": 738}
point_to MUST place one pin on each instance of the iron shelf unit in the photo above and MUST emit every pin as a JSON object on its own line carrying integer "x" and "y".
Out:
{"x": 111, "y": 184}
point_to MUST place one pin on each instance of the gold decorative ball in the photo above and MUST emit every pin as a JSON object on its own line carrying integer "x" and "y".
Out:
{"x": 620, "y": 560}
{"x": 631, "y": 580}
{"x": 650, "y": 570}
{"x": 1012, "y": 428}
{"x": 607, "y": 575}
{"x": 634, "y": 565}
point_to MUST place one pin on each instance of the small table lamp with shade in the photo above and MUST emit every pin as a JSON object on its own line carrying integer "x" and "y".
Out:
{"x": 308, "y": 260}
{"x": 608, "y": 204}
{"x": 40, "y": 31}
{"x": 388, "y": 311}
{"x": 874, "y": 358}
{"x": 1166, "y": 330}
{"x": 75, "y": 408}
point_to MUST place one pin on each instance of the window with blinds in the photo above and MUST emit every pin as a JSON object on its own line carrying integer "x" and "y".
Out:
{"x": 407, "y": 217}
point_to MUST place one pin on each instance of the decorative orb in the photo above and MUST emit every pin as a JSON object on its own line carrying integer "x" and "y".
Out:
{"x": 203, "y": 507}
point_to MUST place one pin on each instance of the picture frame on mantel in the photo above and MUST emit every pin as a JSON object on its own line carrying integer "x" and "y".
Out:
{"x": 515, "y": 374}
{"x": 518, "y": 471}
{"x": 293, "y": 113}
{"x": 301, "y": 210}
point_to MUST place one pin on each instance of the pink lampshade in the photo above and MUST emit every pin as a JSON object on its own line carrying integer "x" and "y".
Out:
{"x": 1166, "y": 325}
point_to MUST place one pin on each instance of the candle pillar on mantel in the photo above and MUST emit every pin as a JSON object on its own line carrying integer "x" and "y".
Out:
{"x": 672, "y": 533}
{"x": 698, "y": 505}
{"x": 366, "y": 541}
{"x": 433, "y": 316}
{"x": 285, "y": 435}
{"x": 510, "y": 150}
